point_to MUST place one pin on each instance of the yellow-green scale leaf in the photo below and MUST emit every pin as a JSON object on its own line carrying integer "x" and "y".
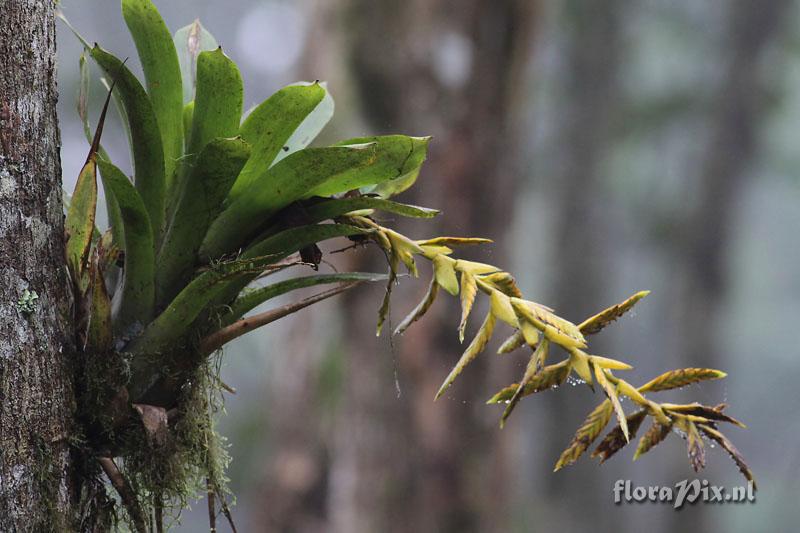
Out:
{"x": 589, "y": 430}
{"x": 580, "y": 363}
{"x": 551, "y": 376}
{"x": 501, "y": 307}
{"x": 533, "y": 368}
{"x": 675, "y": 379}
{"x": 445, "y": 274}
{"x": 469, "y": 289}
{"x": 512, "y": 343}
{"x": 475, "y": 347}
{"x": 607, "y": 316}
{"x": 421, "y": 309}
{"x": 611, "y": 393}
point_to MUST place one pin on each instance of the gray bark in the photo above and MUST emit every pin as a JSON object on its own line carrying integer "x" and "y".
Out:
{"x": 36, "y": 390}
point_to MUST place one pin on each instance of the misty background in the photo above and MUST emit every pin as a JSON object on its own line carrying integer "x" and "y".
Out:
{"x": 606, "y": 147}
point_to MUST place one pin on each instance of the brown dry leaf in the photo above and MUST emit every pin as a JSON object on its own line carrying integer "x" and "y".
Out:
{"x": 694, "y": 443}
{"x": 154, "y": 420}
{"x": 705, "y": 411}
{"x": 728, "y": 446}
{"x": 592, "y": 427}
{"x": 657, "y": 433}
{"x": 615, "y": 440}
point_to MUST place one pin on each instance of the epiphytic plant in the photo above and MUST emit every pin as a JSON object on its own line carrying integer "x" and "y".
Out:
{"x": 217, "y": 203}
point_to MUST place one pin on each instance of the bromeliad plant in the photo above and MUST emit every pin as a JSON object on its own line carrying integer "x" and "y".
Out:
{"x": 216, "y": 204}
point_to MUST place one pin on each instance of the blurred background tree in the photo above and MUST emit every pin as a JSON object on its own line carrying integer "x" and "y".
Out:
{"x": 606, "y": 147}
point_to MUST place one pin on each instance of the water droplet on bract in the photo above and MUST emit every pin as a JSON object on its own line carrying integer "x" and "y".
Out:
{"x": 575, "y": 381}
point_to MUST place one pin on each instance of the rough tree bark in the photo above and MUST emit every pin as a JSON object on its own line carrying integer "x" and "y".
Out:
{"x": 36, "y": 390}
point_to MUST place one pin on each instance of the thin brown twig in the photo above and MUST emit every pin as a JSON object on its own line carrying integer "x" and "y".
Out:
{"x": 158, "y": 504}
{"x": 226, "y": 511}
{"x": 219, "y": 338}
{"x": 125, "y": 493}
{"x": 212, "y": 512}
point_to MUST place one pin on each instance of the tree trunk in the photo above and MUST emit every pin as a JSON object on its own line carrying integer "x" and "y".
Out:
{"x": 732, "y": 147}
{"x": 590, "y": 101}
{"x": 36, "y": 389}
{"x": 407, "y": 464}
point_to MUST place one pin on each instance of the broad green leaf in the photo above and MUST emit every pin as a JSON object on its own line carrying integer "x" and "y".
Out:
{"x": 250, "y": 299}
{"x": 162, "y": 74}
{"x": 293, "y": 239}
{"x": 221, "y": 282}
{"x": 397, "y": 155}
{"x": 270, "y": 126}
{"x": 390, "y": 188}
{"x": 133, "y": 302}
{"x": 188, "y": 115}
{"x": 173, "y": 323}
{"x": 80, "y": 221}
{"x": 207, "y": 185}
{"x": 336, "y": 207}
{"x": 311, "y": 126}
{"x": 280, "y": 246}
{"x": 218, "y": 104}
{"x": 216, "y": 113}
{"x": 189, "y": 42}
{"x": 148, "y": 155}
{"x": 288, "y": 181}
